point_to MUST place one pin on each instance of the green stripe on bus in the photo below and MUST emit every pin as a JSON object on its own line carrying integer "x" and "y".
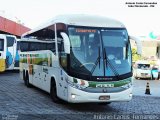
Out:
{"x": 116, "y": 83}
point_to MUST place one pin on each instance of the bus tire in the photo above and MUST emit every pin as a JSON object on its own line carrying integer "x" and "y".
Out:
{"x": 152, "y": 77}
{"x": 53, "y": 91}
{"x": 136, "y": 78}
{"x": 23, "y": 75}
{"x": 27, "y": 80}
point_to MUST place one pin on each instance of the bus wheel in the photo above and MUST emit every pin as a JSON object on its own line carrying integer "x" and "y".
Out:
{"x": 152, "y": 77}
{"x": 136, "y": 77}
{"x": 27, "y": 80}
{"x": 53, "y": 92}
{"x": 23, "y": 75}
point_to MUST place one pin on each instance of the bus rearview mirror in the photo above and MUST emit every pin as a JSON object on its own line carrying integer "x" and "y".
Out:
{"x": 66, "y": 42}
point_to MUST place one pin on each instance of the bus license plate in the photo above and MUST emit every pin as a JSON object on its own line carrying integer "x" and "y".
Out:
{"x": 106, "y": 97}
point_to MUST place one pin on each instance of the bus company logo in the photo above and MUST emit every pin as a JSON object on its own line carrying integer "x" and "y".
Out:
{"x": 104, "y": 85}
{"x": 104, "y": 90}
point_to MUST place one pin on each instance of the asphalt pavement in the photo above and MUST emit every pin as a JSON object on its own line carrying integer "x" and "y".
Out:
{"x": 139, "y": 87}
{"x": 17, "y": 102}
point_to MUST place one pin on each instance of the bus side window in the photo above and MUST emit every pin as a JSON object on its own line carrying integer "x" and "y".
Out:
{"x": 24, "y": 46}
{"x": 10, "y": 41}
{"x": 60, "y": 46}
{"x": 18, "y": 45}
{"x": 43, "y": 46}
{"x": 32, "y": 47}
{"x": 51, "y": 46}
{"x": 62, "y": 55}
{"x": 1, "y": 44}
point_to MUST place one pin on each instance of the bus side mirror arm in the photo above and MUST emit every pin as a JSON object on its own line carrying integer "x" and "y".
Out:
{"x": 66, "y": 42}
{"x": 139, "y": 44}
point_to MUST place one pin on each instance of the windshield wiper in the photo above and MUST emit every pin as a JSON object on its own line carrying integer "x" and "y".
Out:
{"x": 111, "y": 66}
{"x": 97, "y": 61}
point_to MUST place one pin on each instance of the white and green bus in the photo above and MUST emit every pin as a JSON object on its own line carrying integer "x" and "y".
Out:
{"x": 88, "y": 59}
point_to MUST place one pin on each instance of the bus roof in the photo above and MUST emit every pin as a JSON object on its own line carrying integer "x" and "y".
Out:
{"x": 6, "y": 35}
{"x": 2, "y": 36}
{"x": 80, "y": 20}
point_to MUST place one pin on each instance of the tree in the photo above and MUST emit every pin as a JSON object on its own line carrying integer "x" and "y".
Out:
{"x": 135, "y": 56}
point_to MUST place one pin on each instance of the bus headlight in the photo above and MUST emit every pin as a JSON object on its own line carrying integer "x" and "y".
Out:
{"x": 80, "y": 84}
{"x": 130, "y": 95}
{"x": 73, "y": 96}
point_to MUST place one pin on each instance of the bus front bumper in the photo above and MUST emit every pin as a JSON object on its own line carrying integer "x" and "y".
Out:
{"x": 79, "y": 96}
{"x": 2, "y": 65}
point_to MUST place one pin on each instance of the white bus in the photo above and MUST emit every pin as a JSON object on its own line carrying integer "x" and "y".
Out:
{"x": 9, "y": 57}
{"x": 90, "y": 60}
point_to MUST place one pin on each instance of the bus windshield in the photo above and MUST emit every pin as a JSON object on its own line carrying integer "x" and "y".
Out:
{"x": 99, "y": 51}
{"x": 1, "y": 44}
{"x": 118, "y": 51}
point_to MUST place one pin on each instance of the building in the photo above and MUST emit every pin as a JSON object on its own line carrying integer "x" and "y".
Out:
{"x": 150, "y": 47}
{"x": 8, "y": 26}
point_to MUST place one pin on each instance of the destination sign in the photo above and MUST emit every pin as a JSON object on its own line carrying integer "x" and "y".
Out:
{"x": 85, "y": 30}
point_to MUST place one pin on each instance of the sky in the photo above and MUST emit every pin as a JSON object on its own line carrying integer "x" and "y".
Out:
{"x": 138, "y": 21}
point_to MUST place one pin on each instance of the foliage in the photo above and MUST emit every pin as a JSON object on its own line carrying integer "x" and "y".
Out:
{"x": 135, "y": 56}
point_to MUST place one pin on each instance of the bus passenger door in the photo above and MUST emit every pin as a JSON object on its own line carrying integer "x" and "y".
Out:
{"x": 63, "y": 88}
{"x": 62, "y": 76}
{"x": 36, "y": 77}
{"x": 46, "y": 68}
{"x": 45, "y": 78}
{"x": 10, "y": 52}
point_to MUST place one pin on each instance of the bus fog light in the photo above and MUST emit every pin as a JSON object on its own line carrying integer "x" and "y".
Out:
{"x": 73, "y": 96}
{"x": 130, "y": 95}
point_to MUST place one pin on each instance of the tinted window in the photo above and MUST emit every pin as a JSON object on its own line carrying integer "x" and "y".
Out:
{"x": 60, "y": 47}
{"x": 24, "y": 46}
{"x": 51, "y": 46}
{"x": 44, "y": 34}
{"x": 154, "y": 68}
{"x": 35, "y": 46}
{"x": 143, "y": 66}
{"x": 42, "y": 46}
{"x": 1, "y": 44}
{"x": 10, "y": 41}
{"x": 18, "y": 45}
